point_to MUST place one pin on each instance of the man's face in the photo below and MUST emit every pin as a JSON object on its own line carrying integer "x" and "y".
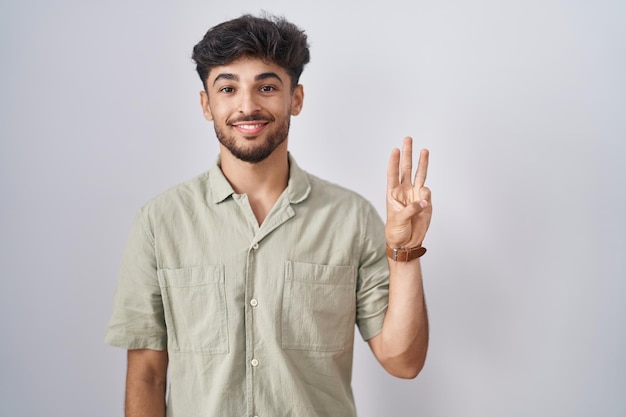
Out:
{"x": 250, "y": 103}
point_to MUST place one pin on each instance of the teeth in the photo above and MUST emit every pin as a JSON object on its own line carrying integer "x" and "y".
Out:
{"x": 248, "y": 127}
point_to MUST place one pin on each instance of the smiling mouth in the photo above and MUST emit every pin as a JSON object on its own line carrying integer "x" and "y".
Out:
{"x": 249, "y": 125}
{"x": 249, "y": 128}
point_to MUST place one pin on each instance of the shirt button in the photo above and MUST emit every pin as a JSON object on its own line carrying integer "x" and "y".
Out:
{"x": 255, "y": 246}
{"x": 254, "y": 302}
{"x": 254, "y": 362}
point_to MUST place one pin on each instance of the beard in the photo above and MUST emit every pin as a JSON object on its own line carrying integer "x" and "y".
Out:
{"x": 255, "y": 153}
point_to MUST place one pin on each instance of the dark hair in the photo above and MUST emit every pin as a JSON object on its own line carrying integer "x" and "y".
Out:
{"x": 270, "y": 38}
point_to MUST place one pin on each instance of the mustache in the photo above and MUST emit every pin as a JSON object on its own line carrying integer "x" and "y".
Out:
{"x": 253, "y": 118}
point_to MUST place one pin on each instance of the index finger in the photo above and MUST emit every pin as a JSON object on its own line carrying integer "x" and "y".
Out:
{"x": 406, "y": 160}
{"x": 393, "y": 170}
{"x": 422, "y": 169}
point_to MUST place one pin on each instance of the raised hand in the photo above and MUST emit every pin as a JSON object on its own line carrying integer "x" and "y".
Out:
{"x": 409, "y": 206}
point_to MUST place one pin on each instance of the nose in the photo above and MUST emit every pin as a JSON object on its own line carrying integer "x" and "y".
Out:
{"x": 248, "y": 103}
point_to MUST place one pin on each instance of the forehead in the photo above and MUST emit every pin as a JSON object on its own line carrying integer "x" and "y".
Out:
{"x": 246, "y": 68}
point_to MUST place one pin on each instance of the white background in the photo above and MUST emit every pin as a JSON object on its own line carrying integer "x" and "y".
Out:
{"x": 522, "y": 104}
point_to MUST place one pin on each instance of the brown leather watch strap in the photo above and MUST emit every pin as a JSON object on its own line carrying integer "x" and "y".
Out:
{"x": 405, "y": 254}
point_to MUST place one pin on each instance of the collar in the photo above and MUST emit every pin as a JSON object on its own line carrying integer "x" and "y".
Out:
{"x": 298, "y": 186}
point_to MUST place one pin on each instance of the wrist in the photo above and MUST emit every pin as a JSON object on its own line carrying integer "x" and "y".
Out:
{"x": 400, "y": 254}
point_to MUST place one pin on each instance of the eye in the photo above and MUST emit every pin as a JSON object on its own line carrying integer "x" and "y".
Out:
{"x": 227, "y": 90}
{"x": 267, "y": 88}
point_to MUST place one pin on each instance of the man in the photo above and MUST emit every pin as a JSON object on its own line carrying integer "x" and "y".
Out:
{"x": 244, "y": 284}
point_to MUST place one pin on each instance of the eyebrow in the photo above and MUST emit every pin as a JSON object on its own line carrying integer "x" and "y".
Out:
{"x": 234, "y": 77}
{"x": 267, "y": 75}
{"x": 225, "y": 76}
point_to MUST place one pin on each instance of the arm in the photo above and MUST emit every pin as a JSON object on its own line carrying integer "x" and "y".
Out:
{"x": 146, "y": 380}
{"x": 402, "y": 345}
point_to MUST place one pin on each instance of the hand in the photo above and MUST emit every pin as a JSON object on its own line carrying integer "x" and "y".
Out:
{"x": 409, "y": 207}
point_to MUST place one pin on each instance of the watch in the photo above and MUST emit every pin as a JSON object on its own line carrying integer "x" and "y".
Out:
{"x": 405, "y": 254}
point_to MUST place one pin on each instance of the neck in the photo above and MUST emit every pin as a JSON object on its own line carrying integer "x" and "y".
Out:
{"x": 263, "y": 182}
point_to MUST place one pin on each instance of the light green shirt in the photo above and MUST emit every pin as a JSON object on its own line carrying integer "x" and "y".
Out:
{"x": 257, "y": 320}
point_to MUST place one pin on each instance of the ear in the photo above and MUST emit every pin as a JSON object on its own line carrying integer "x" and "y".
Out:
{"x": 297, "y": 99}
{"x": 204, "y": 103}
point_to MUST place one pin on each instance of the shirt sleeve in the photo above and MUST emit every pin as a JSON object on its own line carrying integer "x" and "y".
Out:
{"x": 138, "y": 321}
{"x": 372, "y": 295}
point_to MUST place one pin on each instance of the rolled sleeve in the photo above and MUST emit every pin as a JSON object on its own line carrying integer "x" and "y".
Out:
{"x": 138, "y": 321}
{"x": 372, "y": 295}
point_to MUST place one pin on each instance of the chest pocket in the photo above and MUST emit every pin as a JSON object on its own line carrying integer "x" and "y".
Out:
{"x": 318, "y": 306}
{"x": 194, "y": 302}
